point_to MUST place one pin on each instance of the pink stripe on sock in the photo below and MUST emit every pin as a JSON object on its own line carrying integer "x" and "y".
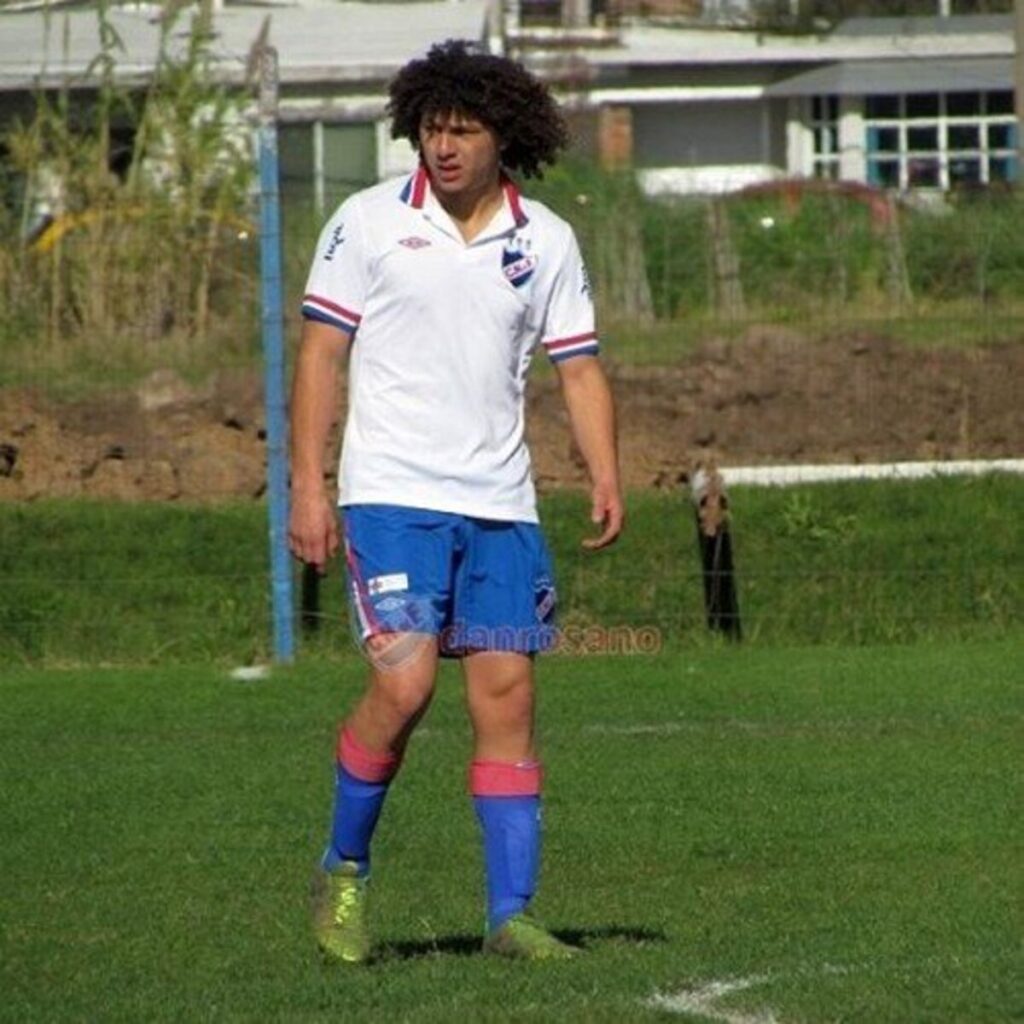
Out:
{"x": 362, "y": 763}
{"x": 505, "y": 778}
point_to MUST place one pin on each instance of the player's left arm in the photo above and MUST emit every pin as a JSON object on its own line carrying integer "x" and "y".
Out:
{"x": 588, "y": 398}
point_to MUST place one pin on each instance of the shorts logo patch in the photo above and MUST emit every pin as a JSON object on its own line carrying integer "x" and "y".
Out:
{"x": 544, "y": 596}
{"x": 386, "y": 584}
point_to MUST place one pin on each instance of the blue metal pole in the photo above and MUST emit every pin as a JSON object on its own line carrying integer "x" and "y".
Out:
{"x": 274, "y": 362}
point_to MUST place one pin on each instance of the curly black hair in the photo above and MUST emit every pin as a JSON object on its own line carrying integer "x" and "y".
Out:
{"x": 501, "y": 93}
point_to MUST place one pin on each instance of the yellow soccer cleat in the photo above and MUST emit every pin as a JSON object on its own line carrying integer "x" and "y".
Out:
{"x": 523, "y": 938}
{"x": 339, "y": 913}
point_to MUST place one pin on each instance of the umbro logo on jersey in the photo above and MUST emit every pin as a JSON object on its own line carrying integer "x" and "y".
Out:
{"x": 414, "y": 242}
{"x": 337, "y": 240}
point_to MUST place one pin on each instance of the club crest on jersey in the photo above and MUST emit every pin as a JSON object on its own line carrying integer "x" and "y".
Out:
{"x": 414, "y": 242}
{"x": 517, "y": 266}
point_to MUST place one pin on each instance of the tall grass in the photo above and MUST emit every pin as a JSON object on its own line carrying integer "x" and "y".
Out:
{"x": 802, "y": 258}
{"x": 147, "y": 258}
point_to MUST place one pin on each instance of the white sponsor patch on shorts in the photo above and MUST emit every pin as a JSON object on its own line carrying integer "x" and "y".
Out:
{"x": 386, "y": 584}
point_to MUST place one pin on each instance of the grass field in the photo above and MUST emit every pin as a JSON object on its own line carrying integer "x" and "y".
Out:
{"x": 834, "y": 830}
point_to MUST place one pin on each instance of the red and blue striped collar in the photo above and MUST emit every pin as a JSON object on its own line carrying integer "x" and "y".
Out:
{"x": 414, "y": 194}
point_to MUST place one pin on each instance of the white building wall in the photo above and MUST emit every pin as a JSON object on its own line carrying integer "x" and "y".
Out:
{"x": 852, "y": 161}
{"x": 699, "y": 134}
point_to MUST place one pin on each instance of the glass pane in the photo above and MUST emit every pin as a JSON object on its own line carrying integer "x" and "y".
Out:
{"x": 961, "y": 104}
{"x": 826, "y": 141}
{"x": 925, "y": 104}
{"x": 816, "y": 106}
{"x": 883, "y": 140}
{"x": 295, "y": 160}
{"x": 826, "y": 169}
{"x": 1002, "y": 136}
{"x": 884, "y": 173}
{"x": 923, "y": 173}
{"x": 999, "y": 102}
{"x": 964, "y": 136}
{"x": 964, "y": 171}
{"x": 350, "y": 157}
{"x": 923, "y": 138}
{"x": 833, "y": 108}
{"x": 1002, "y": 168}
{"x": 882, "y": 108}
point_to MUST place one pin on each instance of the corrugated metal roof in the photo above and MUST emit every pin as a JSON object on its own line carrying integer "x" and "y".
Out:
{"x": 957, "y": 24}
{"x": 323, "y": 42}
{"x": 970, "y": 36}
{"x": 877, "y": 77}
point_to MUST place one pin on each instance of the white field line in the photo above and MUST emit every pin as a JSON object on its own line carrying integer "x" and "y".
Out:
{"x": 702, "y": 1001}
{"x": 781, "y": 476}
{"x": 657, "y": 729}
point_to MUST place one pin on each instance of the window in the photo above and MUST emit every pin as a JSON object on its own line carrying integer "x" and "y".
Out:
{"x": 999, "y": 102}
{"x": 1002, "y": 136}
{"x": 884, "y": 173}
{"x": 923, "y": 138}
{"x": 1002, "y": 168}
{"x": 882, "y": 108}
{"x": 825, "y": 133}
{"x": 920, "y": 105}
{"x": 940, "y": 140}
{"x": 963, "y": 104}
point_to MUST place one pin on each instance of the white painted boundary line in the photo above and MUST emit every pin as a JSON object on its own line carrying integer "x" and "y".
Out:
{"x": 782, "y": 476}
{"x": 702, "y": 1001}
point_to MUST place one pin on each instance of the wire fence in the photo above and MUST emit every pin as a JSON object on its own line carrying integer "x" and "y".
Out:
{"x": 800, "y": 323}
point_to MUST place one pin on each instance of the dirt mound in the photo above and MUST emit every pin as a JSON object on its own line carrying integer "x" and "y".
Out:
{"x": 773, "y": 396}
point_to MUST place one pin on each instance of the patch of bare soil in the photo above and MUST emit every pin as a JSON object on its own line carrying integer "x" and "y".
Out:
{"x": 773, "y": 396}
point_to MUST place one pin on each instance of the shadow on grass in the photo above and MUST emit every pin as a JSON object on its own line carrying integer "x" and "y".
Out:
{"x": 469, "y": 945}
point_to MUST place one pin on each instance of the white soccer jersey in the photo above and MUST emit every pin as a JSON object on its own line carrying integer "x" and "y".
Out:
{"x": 443, "y": 336}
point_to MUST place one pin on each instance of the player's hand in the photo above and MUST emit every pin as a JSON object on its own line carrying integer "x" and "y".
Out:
{"x": 313, "y": 530}
{"x": 607, "y": 511}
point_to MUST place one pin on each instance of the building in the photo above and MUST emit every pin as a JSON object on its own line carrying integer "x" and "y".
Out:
{"x": 900, "y": 103}
{"x": 894, "y": 102}
{"x": 335, "y": 60}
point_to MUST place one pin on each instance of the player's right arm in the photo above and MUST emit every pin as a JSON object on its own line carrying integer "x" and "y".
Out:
{"x": 331, "y": 310}
{"x": 313, "y": 526}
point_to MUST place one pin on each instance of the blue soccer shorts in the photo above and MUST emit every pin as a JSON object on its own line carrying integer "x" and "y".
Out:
{"x": 476, "y": 584}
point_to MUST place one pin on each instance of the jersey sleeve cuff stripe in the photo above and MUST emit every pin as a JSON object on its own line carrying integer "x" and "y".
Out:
{"x": 557, "y": 344}
{"x": 589, "y": 349}
{"x": 324, "y": 318}
{"x": 332, "y": 309}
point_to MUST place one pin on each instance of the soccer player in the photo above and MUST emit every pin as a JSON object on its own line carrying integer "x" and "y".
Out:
{"x": 439, "y": 287}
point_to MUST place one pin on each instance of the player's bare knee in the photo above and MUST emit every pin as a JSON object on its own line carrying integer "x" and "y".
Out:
{"x": 508, "y": 706}
{"x": 407, "y": 695}
{"x": 508, "y": 686}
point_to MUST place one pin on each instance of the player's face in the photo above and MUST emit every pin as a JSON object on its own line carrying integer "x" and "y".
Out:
{"x": 462, "y": 154}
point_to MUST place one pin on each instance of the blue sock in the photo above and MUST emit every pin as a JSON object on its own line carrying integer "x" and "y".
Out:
{"x": 511, "y": 827}
{"x": 357, "y": 806}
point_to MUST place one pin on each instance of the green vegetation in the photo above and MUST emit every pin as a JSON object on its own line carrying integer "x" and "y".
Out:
{"x": 107, "y": 583}
{"x": 805, "y": 256}
{"x": 838, "y": 824}
{"x": 160, "y": 268}
{"x": 145, "y": 256}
